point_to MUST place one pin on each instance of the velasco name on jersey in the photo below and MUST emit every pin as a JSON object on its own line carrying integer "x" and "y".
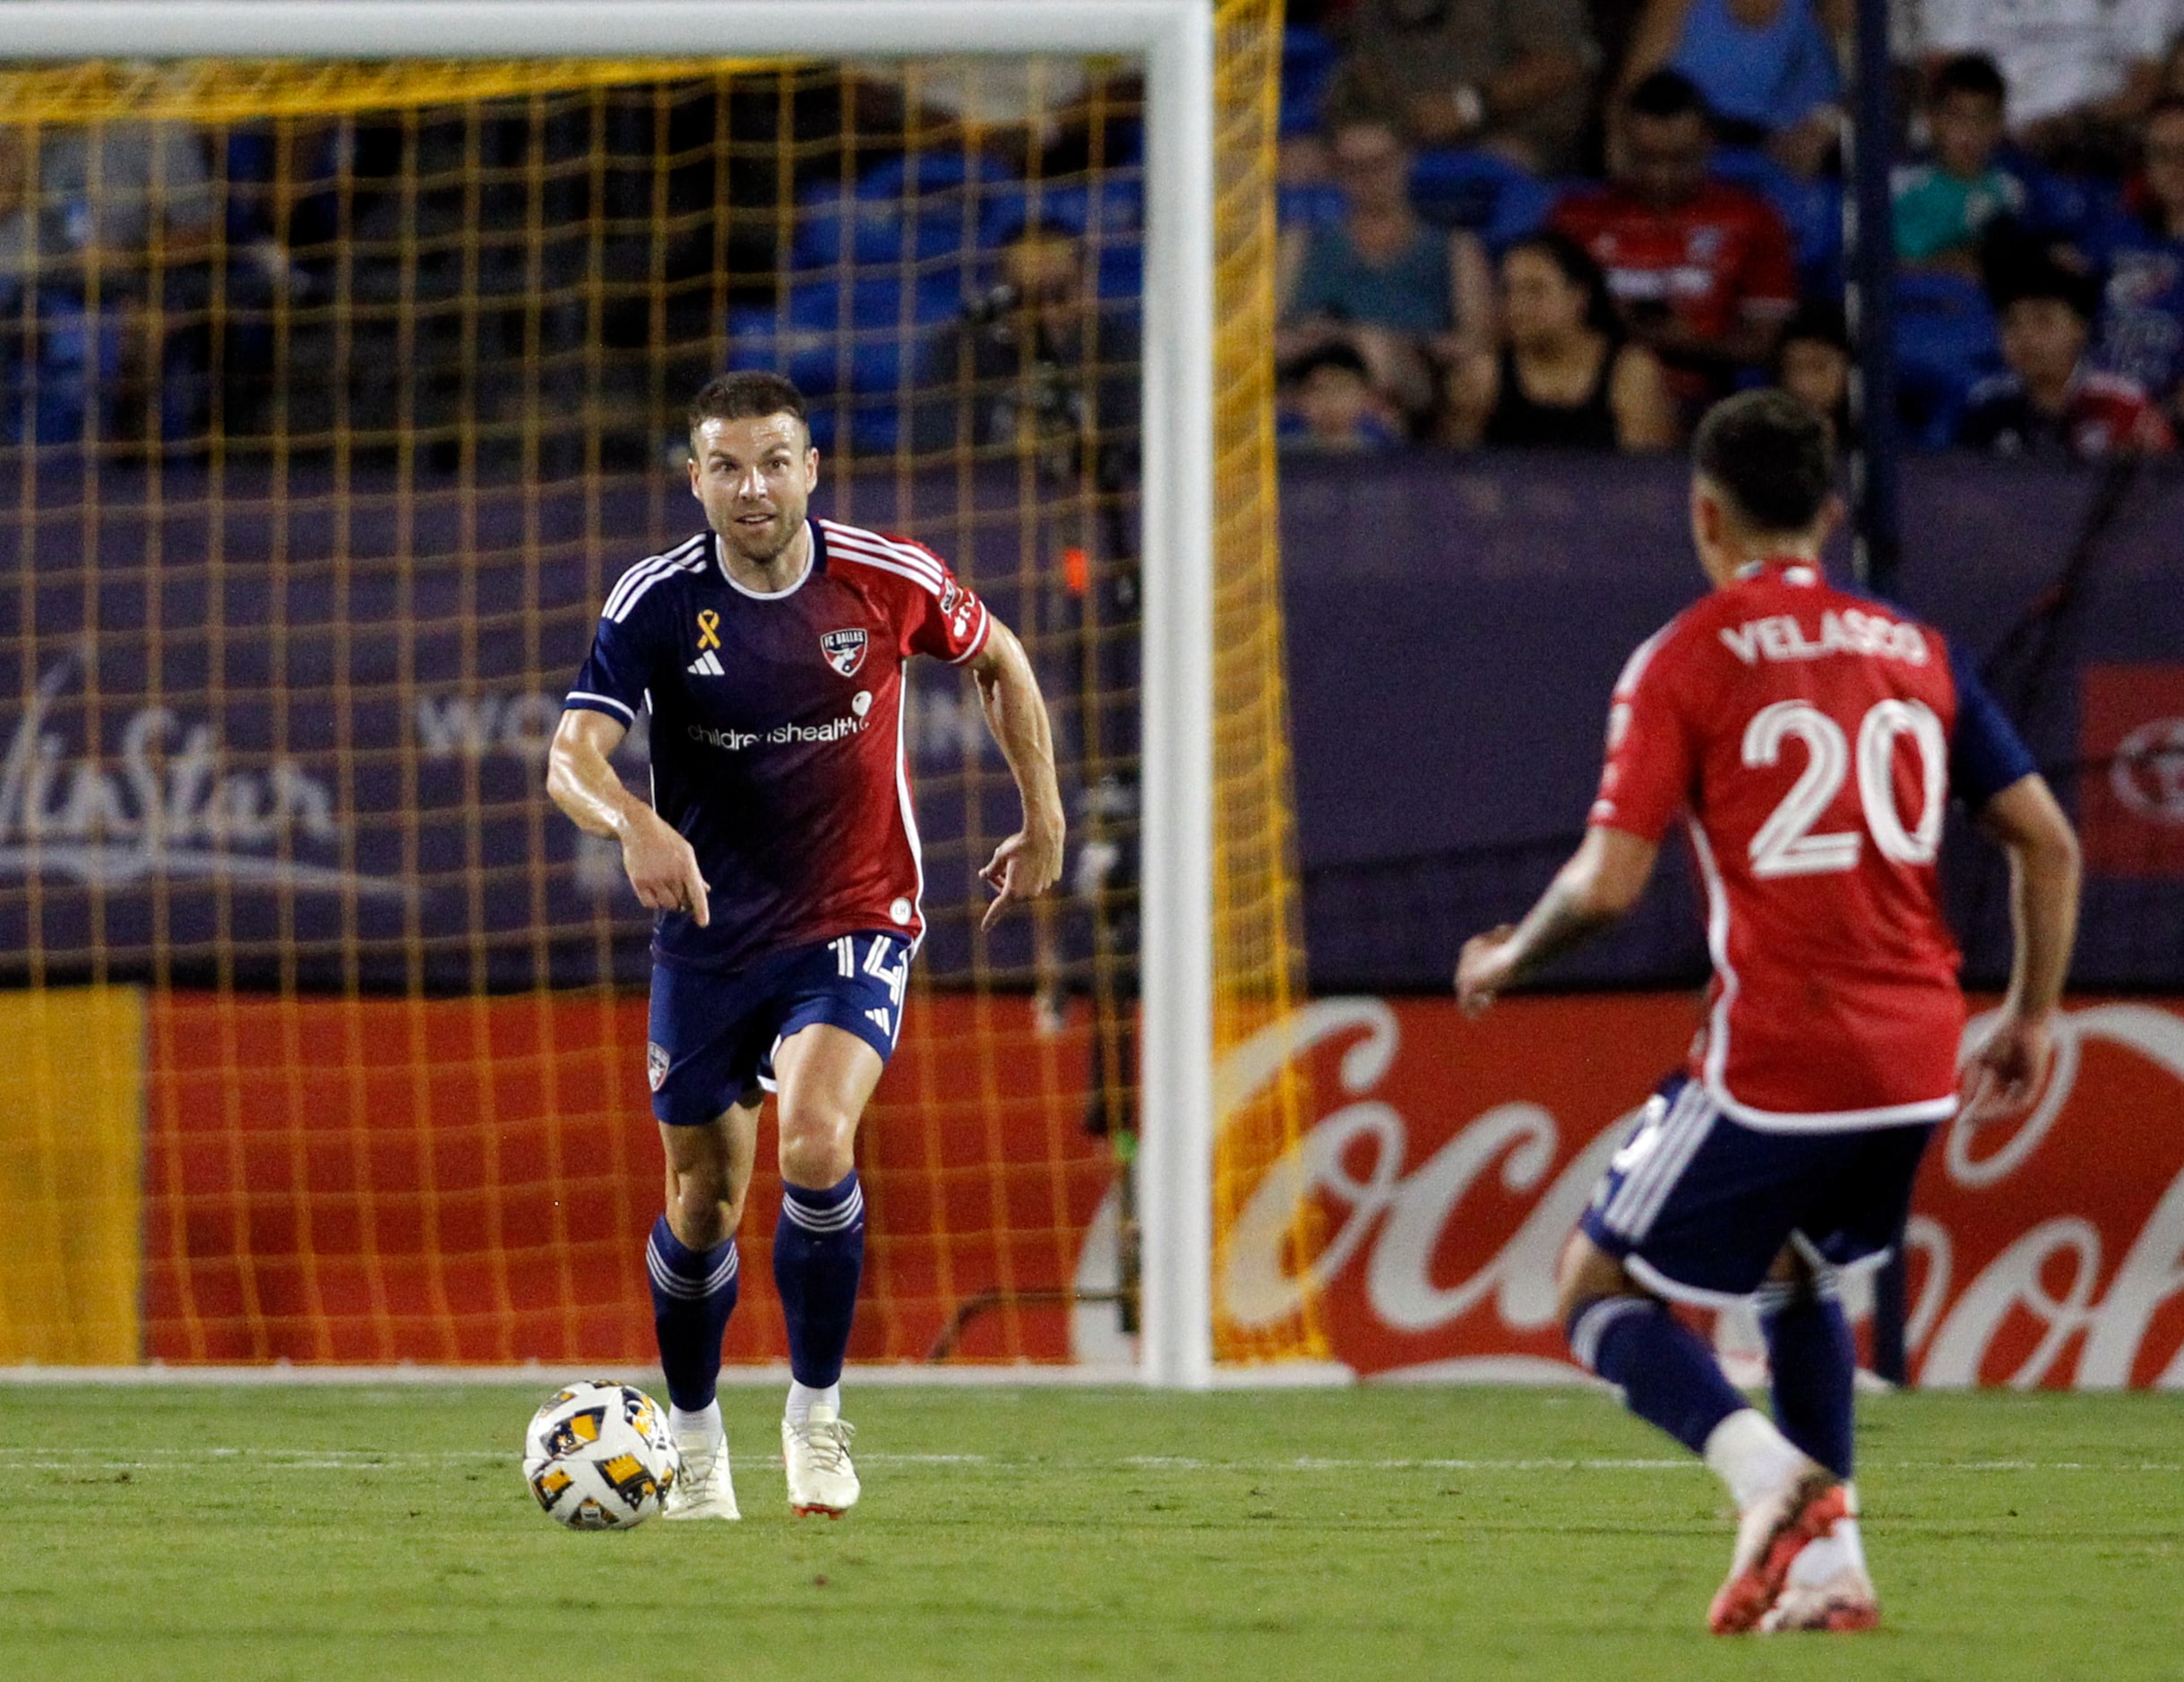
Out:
{"x": 1779, "y": 637}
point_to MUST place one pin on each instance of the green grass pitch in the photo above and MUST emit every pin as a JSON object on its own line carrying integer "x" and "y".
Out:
{"x": 1006, "y": 1533}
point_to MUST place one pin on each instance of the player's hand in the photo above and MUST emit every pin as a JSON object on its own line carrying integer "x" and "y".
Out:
{"x": 2004, "y": 1073}
{"x": 1023, "y": 867}
{"x": 664, "y": 870}
{"x": 1482, "y": 969}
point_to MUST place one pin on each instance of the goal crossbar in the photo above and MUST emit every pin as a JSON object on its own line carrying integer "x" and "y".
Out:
{"x": 1175, "y": 38}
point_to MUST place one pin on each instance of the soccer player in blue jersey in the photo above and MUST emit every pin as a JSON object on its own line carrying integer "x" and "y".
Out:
{"x": 780, "y": 853}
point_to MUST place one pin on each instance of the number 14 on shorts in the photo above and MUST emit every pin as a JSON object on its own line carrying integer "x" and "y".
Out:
{"x": 885, "y": 960}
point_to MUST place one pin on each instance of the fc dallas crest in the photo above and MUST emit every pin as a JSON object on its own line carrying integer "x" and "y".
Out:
{"x": 844, "y": 649}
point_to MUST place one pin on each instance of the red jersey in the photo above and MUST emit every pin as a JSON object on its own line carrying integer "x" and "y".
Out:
{"x": 1710, "y": 261}
{"x": 2104, "y": 414}
{"x": 1805, "y": 733}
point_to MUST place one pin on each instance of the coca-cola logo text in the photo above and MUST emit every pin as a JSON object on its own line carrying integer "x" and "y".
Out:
{"x": 1450, "y": 1160}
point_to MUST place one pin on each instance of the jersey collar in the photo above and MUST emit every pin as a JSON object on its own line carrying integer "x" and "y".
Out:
{"x": 1790, "y": 569}
{"x": 812, "y": 563}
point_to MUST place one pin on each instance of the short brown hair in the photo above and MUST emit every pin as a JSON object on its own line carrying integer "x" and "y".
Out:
{"x": 752, "y": 395}
{"x": 1770, "y": 455}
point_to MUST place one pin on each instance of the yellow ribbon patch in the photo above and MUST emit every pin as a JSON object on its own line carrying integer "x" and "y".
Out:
{"x": 709, "y": 628}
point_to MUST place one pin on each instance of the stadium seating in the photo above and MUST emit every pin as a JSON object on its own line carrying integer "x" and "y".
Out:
{"x": 1484, "y": 191}
{"x": 1309, "y": 60}
{"x": 1812, "y": 210}
{"x": 924, "y": 207}
{"x": 1109, "y": 217}
{"x": 1947, "y": 342}
{"x": 55, "y": 377}
{"x": 841, "y": 339}
{"x": 878, "y": 266}
{"x": 1307, "y": 203}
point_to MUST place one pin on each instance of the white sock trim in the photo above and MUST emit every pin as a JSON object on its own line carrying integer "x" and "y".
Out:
{"x": 803, "y": 1398}
{"x": 1752, "y": 1458}
{"x": 705, "y": 1424}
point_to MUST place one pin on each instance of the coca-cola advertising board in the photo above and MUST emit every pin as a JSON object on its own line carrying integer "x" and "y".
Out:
{"x": 2131, "y": 788}
{"x": 1448, "y": 1161}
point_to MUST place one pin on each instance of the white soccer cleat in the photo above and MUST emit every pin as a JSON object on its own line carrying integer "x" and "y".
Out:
{"x": 1827, "y": 1586}
{"x": 816, "y": 1453}
{"x": 704, "y": 1489}
{"x": 1769, "y": 1538}
{"x": 1843, "y": 1603}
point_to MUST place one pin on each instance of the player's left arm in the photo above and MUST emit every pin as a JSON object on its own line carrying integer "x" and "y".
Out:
{"x": 1993, "y": 771}
{"x": 1029, "y": 861}
{"x": 1603, "y": 879}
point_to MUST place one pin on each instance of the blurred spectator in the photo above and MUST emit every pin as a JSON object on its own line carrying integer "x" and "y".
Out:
{"x": 2171, "y": 84}
{"x": 1509, "y": 75}
{"x": 115, "y": 235}
{"x": 1566, "y": 377}
{"x": 2142, "y": 321}
{"x": 2049, "y": 403}
{"x": 1330, "y": 405}
{"x": 1038, "y": 362}
{"x": 1404, "y": 294}
{"x": 2079, "y": 74}
{"x": 1944, "y": 207}
{"x": 1766, "y": 69}
{"x": 17, "y": 192}
{"x": 1813, "y": 365}
{"x": 1702, "y": 271}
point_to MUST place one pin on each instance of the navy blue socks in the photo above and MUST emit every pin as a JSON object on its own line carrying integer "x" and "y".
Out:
{"x": 1815, "y": 1365}
{"x": 693, "y": 1292}
{"x": 1668, "y": 1376}
{"x": 818, "y": 1255}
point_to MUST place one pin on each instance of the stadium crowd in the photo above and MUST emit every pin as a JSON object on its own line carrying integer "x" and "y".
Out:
{"x": 1514, "y": 223}
{"x": 1654, "y": 190}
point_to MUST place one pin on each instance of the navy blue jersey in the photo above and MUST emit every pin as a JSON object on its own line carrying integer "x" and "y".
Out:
{"x": 777, "y": 731}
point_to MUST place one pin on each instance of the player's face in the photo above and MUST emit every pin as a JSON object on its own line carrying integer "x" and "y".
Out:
{"x": 755, "y": 477}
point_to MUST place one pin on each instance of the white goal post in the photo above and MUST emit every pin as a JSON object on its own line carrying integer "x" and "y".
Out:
{"x": 1175, "y": 39}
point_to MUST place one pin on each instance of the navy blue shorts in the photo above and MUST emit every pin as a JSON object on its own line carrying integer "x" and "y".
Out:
{"x": 713, "y": 1037}
{"x": 1697, "y": 1204}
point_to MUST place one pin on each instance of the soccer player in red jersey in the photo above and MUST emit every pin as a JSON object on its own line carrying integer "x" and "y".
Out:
{"x": 1811, "y": 740}
{"x": 779, "y": 851}
{"x": 1702, "y": 271}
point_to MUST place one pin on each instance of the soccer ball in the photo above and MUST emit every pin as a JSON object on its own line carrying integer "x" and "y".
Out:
{"x": 599, "y": 1456}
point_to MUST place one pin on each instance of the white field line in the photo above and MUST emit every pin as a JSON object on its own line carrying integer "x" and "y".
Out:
{"x": 366, "y": 1460}
{"x": 159, "y": 1376}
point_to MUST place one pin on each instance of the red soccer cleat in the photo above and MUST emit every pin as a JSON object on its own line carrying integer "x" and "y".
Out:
{"x": 1772, "y": 1534}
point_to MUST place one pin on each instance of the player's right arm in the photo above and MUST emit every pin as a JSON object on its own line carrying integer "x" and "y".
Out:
{"x": 661, "y": 866}
{"x": 629, "y": 649}
{"x": 1650, "y": 760}
{"x": 1602, "y": 880}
